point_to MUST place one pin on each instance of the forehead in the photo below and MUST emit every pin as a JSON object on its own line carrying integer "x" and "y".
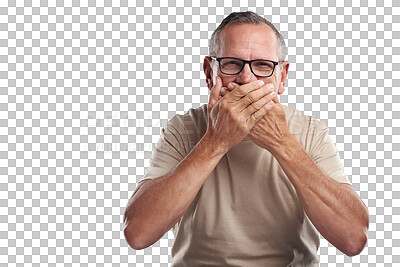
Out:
{"x": 248, "y": 41}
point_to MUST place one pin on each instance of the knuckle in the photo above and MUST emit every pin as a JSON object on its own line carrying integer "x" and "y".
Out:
{"x": 253, "y": 106}
{"x": 250, "y": 87}
{"x": 250, "y": 98}
{"x": 256, "y": 95}
{"x": 256, "y": 116}
{"x": 257, "y": 105}
{"x": 269, "y": 105}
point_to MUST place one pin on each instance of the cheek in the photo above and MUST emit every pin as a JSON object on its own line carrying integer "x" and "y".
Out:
{"x": 226, "y": 79}
{"x": 274, "y": 79}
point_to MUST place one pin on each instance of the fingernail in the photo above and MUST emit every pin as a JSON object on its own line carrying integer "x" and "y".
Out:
{"x": 272, "y": 93}
{"x": 271, "y": 86}
{"x": 230, "y": 86}
{"x": 261, "y": 83}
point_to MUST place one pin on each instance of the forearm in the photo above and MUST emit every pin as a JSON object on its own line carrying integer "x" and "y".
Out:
{"x": 160, "y": 203}
{"x": 334, "y": 208}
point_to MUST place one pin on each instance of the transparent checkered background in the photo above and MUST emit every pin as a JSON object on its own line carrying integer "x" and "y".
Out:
{"x": 87, "y": 85}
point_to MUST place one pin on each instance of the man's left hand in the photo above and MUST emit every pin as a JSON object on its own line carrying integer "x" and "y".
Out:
{"x": 271, "y": 131}
{"x": 321, "y": 197}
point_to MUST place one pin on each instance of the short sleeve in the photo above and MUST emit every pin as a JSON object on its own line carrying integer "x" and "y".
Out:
{"x": 326, "y": 156}
{"x": 168, "y": 153}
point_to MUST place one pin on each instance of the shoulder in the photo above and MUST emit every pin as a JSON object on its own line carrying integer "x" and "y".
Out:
{"x": 193, "y": 119}
{"x": 300, "y": 124}
{"x": 188, "y": 128}
{"x": 308, "y": 130}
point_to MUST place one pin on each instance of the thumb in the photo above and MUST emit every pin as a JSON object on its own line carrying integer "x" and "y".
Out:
{"x": 215, "y": 92}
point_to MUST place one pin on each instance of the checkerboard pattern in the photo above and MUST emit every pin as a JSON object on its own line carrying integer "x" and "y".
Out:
{"x": 87, "y": 85}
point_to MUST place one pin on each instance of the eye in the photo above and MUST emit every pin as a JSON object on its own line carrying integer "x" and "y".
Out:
{"x": 262, "y": 64}
{"x": 232, "y": 63}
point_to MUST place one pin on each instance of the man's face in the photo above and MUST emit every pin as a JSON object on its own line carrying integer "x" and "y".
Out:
{"x": 248, "y": 42}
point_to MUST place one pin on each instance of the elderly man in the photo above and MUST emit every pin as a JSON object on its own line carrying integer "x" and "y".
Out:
{"x": 244, "y": 180}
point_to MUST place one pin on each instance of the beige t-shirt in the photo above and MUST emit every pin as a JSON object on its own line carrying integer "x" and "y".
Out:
{"x": 247, "y": 212}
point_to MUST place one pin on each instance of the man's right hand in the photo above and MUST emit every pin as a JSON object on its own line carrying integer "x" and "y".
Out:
{"x": 231, "y": 118}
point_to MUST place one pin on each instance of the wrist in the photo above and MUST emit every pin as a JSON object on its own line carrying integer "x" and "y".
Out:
{"x": 212, "y": 146}
{"x": 285, "y": 147}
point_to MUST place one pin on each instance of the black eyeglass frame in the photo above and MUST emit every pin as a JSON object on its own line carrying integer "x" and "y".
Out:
{"x": 244, "y": 63}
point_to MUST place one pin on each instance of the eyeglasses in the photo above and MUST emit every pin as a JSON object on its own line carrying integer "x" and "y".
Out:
{"x": 259, "y": 67}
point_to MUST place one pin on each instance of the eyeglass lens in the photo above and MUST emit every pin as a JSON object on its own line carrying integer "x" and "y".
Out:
{"x": 234, "y": 66}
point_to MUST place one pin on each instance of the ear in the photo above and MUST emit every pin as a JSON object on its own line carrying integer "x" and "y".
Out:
{"x": 284, "y": 73}
{"x": 208, "y": 71}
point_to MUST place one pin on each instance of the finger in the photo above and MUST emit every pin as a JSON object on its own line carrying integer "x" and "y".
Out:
{"x": 215, "y": 92}
{"x": 256, "y": 95}
{"x": 259, "y": 104}
{"x": 224, "y": 91}
{"x": 259, "y": 114}
{"x": 240, "y": 91}
{"x": 231, "y": 86}
{"x": 228, "y": 89}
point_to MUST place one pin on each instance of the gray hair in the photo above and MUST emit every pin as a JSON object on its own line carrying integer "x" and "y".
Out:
{"x": 242, "y": 18}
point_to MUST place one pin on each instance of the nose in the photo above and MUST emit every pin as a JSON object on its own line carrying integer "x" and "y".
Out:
{"x": 245, "y": 76}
